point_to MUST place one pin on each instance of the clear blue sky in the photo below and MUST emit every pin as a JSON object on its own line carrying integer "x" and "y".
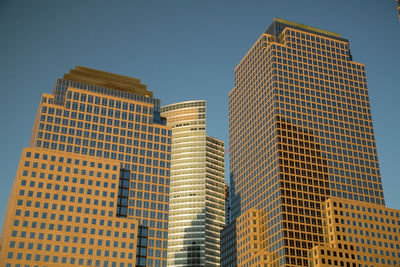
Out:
{"x": 183, "y": 50}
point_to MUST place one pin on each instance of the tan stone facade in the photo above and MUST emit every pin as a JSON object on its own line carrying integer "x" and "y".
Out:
{"x": 62, "y": 211}
{"x": 359, "y": 233}
{"x": 109, "y": 117}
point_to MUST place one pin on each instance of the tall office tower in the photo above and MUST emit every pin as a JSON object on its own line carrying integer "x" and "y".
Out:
{"x": 197, "y": 198}
{"x": 91, "y": 118}
{"x": 300, "y": 131}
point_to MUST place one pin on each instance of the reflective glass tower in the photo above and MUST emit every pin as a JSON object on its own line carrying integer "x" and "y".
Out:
{"x": 197, "y": 198}
{"x": 93, "y": 119}
{"x": 300, "y": 131}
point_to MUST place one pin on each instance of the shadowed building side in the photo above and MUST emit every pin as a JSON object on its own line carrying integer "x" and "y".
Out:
{"x": 215, "y": 198}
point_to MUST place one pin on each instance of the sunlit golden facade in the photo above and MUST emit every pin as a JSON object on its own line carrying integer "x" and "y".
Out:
{"x": 110, "y": 117}
{"x": 359, "y": 234}
{"x": 249, "y": 246}
{"x": 62, "y": 211}
{"x": 300, "y": 132}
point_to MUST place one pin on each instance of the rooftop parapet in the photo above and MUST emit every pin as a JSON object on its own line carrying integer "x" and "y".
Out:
{"x": 108, "y": 80}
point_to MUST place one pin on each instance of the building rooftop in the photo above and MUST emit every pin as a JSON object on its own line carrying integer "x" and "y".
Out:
{"x": 108, "y": 80}
{"x": 279, "y": 25}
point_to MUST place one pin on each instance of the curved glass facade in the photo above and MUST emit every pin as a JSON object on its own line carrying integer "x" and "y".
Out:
{"x": 197, "y": 187}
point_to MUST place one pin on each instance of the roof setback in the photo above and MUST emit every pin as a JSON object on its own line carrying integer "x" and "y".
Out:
{"x": 306, "y": 27}
{"x": 108, "y": 80}
{"x": 278, "y": 25}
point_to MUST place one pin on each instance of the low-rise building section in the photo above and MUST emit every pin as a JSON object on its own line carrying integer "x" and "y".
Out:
{"x": 63, "y": 211}
{"x": 249, "y": 247}
{"x": 359, "y": 234}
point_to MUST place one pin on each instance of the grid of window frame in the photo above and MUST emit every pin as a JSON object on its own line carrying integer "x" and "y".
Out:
{"x": 111, "y": 127}
{"x": 62, "y": 211}
{"x": 311, "y": 81}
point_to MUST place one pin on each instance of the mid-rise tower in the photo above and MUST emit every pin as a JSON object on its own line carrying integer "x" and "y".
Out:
{"x": 197, "y": 198}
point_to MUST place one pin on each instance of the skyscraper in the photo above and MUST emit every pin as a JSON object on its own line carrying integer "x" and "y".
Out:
{"x": 103, "y": 126}
{"x": 300, "y": 132}
{"x": 197, "y": 197}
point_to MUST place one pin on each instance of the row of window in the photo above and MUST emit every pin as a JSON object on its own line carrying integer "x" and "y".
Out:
{"x": 113, "y": 127}
{"x": 54, "y": 246}
{"x": 72, "y": 260}
{"x": 68, "y": 218}
{"x": 317, "y": 39}
{"x": 61, "y": 159}
{"x": 102, "y": 145}
{"x": 105, "y": 101}
{"x": 53, "y": 135}
{"x": 50, "y": 176}
{"x": 364, "y": 209}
